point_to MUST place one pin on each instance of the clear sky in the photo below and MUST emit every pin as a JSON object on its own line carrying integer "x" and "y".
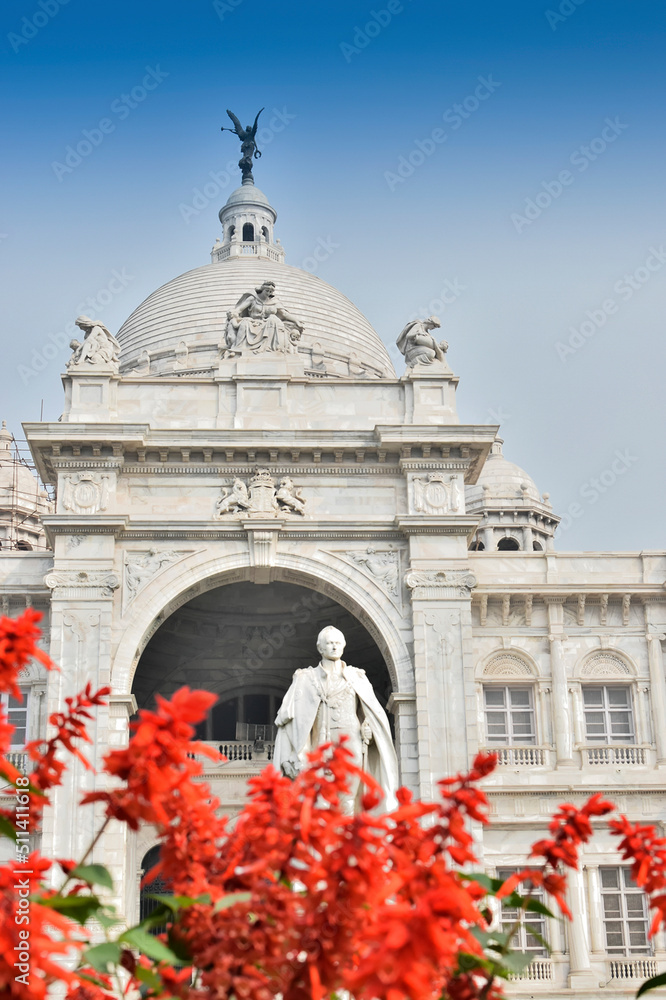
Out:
{"x": 509, "y": 155}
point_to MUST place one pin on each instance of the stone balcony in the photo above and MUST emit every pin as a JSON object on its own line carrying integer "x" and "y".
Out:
{"x": 629, "y": 754}
{"x": 254, "y": 754}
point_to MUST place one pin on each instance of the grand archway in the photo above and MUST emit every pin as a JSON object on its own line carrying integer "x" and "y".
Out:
{"x": 243, "y": 642}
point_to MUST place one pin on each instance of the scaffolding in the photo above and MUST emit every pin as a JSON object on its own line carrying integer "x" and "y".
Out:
{"x": 18, "y": 506}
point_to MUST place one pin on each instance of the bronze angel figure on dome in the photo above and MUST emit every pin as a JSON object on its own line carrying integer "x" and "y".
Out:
{"x": 248, "y": 144}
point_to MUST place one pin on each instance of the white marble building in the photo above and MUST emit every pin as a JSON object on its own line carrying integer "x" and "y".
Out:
{"x": 240, "y": 480}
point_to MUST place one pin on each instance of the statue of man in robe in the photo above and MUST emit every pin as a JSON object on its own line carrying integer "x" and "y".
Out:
{"x": 332, "y": 700}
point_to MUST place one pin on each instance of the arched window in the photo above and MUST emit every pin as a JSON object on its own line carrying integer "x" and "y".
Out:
{"x": 158, "y": 885}
{"x": 537, "y": 547}
{"x": 230, "y": 232}
{"x": 477, "y": 546}
{"x": 508, "y": 545}
{"x": 264, "y": 231}
{"x": 248, "y": 232}
{"x": 23, "y": 545}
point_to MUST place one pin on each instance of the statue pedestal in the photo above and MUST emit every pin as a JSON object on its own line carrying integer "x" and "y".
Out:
{"x": 270, "y": 364}
{"x": 430, "y": 394}
{"x": 91, "y": 394}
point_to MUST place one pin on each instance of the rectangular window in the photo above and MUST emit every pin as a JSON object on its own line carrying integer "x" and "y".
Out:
{"x": 530, "y": 925}
{"x": 608, "y": 714}
{"x": 509, "y": 716}
{"x": 625, "y": 913}
{"x": 17, "y": 716}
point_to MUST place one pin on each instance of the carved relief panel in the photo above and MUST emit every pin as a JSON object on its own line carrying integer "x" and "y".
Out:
{"x": 437, "y": 492}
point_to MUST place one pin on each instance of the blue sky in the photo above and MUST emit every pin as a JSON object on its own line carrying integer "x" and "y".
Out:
{"x": 555, "y": 326}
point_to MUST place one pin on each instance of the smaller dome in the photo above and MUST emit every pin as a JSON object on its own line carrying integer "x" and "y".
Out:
{"x": 247, "y": 194}
{"x": 502, "y": 480}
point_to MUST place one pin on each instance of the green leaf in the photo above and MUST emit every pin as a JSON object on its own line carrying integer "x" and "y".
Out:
{"x": 652, "y": 984}
{"x": 536, "y": 906}
{"x": 93, "y": 875}
{"x": 78, "y": 908}
{"x": 148, "y": 945}
{"x": 179, "y": 948}
{"x": 468, "y": 961}
{"x": 231, "y": 898}
{"x": 7, "y": 829}
{"x": 176, "y": 903}
{"x": 107, "y": 918}
{"x": 491, "y": 885}
{"x": 101, "y": 956}
{"x": 490, "y": 939}
{"x": 92, "y": 979}
{"x": 516, "y": 961}
{"x": 148, "y": 977}
{"x": 534, "y": 933}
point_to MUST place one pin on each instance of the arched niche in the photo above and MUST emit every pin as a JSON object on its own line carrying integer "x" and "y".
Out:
{"x": 507, "y": 664}
{"x": 198, "y": 573}
{"x": 605, "y": 664}
{"x": 243, "y": 643}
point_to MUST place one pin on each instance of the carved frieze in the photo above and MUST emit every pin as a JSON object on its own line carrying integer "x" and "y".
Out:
{"x": 140, "y": 567}
{"x": 382, "y": 564}
{"x": 437, "y": 493}
{"x": 262, "y": 497}
{"x": 437, "y": 584}
{"x": 82, "y": 584}
{"x": 86, "y": 492}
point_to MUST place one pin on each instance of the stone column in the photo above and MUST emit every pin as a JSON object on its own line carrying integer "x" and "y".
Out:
{"x": 597, "y": 936}
{"x": 441, "y": 603}
{"x": 580, "y": 971}
{"x": 655, "y": 637}
{"x": 561, "y": 714}
{"x": 403, "y": 707}
{"x": 81, "y": 615}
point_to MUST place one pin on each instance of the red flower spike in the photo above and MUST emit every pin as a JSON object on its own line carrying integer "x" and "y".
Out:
{"x": 647, "y": 852}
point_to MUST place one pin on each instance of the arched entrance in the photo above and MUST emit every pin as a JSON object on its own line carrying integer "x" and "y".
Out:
{"x": 243, "y": 642}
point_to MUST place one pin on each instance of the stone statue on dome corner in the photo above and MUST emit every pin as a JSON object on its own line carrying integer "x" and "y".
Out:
{"x": 419, "y": 346}
{"x": 99, "y": 347}
{"x": 327, "y": 702}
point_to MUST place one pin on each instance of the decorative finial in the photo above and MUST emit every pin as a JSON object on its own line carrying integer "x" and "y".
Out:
{"x": 249, "y": 149}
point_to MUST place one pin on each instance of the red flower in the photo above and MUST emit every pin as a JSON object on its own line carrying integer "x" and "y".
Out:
{"x": 18, "y": 882}
{"x": 648, "y": 853}
{"x": 18, "y": 645}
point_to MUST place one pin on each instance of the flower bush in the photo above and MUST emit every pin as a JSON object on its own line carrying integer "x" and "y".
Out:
{"x": 298, "y": 899}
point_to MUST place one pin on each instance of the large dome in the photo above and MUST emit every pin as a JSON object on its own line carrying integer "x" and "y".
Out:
{"x": 190, "y": 312}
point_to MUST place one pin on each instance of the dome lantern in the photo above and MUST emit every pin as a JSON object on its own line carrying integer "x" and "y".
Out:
{"x": 247, "y": 221}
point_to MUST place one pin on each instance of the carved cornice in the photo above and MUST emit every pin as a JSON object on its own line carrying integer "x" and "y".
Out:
{"x": 437, "y": 524}
{"x": 82, "y": 585}
{"x": 437, "y": 584}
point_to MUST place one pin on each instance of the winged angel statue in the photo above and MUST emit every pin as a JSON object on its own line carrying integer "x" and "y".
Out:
{"x": 248, "y": 145}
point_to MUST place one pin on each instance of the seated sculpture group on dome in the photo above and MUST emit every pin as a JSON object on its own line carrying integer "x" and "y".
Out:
{"x": 259, "y": 324}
